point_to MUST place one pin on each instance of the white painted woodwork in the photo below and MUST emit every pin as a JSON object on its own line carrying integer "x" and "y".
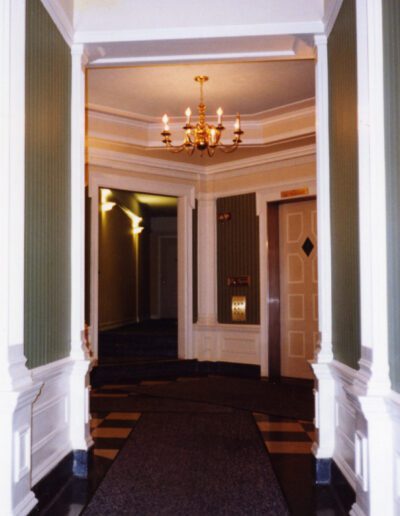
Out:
{"x": 207, "y": 261}
{"x": 325, "y": 385}
{"x": 298, "y": 287}
{"x": 79, "y": 424}
{"x": 136, "y": 181}
{"x": 227, "y": 343}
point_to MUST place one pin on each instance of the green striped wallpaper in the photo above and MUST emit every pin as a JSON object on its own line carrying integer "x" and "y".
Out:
{"x": 391, "y": 33}
{"x": 47, "y": 190}
{"x": 344, "y": 187}
{"x": 238, "y": 255}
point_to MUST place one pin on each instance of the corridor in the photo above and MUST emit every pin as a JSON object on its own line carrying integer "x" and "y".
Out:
{"x": 200, "y": 445}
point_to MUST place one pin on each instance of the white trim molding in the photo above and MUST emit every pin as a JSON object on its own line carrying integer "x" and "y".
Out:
{"x": 61, "y": 20}
{"x": 325, "y": 383}
{"x": 79, "y": 427}
{"x": 136, "y": 182}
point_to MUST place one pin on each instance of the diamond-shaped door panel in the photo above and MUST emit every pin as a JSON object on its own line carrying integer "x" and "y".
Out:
{"x": 307, "y": 246}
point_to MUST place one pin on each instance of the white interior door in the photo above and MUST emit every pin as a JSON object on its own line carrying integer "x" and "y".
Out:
{"x": 298, "y": 286}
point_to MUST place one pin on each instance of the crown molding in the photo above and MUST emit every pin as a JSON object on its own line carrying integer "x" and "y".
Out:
{"x": 277, "y": 114}
{"x": 124, "y": 161}
{"x": 225, "y": 169}
{"x": 331, "y": 15}
{"x": 57, "y": 14}
{"x": 226, "y": 31}
{"x": 190, "y": 58}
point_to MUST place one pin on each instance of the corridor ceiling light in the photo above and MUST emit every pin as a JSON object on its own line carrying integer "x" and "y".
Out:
{"x": 202, "y": 136}
{"x": 136, "y": 227}
{"x": 105, "y": 205}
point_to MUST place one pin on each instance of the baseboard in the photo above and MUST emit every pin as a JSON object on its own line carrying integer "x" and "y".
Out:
{"x": 53, "y": 482}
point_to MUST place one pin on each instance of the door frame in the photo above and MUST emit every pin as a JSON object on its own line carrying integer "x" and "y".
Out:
{"x": 274, "y": 333}
{"x": 186, "y": 201}
{"x": 300, "y": 190}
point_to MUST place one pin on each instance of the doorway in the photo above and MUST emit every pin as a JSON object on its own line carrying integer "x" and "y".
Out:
{"x": 293, "y": 287}
{"x": 137, "y": 287}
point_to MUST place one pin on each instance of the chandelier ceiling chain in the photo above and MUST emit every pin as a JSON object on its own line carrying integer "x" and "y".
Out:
{"x": 203, "y": 136}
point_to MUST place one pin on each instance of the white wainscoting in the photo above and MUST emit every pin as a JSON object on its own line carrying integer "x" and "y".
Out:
{"x": 345, "y": 421}
{"x": 394, "y": 404}
{"x": 50, "y": 417}
{"x": 227, "y": 343}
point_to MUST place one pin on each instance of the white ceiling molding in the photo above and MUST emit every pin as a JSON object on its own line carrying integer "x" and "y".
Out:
{"x": 226, "y": 31}
{"x": 331, "y": 13}
{"x": 235, "y": 168}
{"x": 192, "y": 58}
{"x": 123, "y": 161}
{"x": 132, "y": 129}
{"x": 61, "y": 20}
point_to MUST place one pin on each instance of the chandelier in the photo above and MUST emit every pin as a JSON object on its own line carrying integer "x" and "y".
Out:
{"x": 202, "y": 136}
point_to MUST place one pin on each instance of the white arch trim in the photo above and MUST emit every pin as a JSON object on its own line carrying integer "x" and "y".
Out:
{"x": 186, "y": 202}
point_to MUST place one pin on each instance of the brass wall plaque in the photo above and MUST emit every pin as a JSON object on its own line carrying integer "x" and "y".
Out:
{"x": 238, "y": 308}
{"x": 294, "y": 193}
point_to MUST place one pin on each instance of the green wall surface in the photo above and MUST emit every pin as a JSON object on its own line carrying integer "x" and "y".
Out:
{"x": 391, "y": 34}
{"x": 47, "y": 190}
{"x": 344, "y": 187}
{"x": 238, "y": 255}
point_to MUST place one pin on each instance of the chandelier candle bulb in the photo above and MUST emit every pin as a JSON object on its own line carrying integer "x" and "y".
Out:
{"x": 188, "y": 114}
{"x": 237, "y": 123}
{"x": 220, "y": 113}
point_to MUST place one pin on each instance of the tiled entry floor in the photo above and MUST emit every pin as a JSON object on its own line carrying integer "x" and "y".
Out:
{"x": 288, "y": 442}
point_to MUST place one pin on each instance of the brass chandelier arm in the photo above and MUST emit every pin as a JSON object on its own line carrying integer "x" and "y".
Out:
{"x": 202, "y": 136}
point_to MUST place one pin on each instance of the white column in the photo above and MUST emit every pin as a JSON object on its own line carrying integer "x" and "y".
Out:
{"x": 185, "y": 279}
{"x": 324, "y": 395}
{"x": 207, "y": 261}
{"x": 17, "y": 391}
{"x": 79, "y": 407}
{"x": 372, "y": 384}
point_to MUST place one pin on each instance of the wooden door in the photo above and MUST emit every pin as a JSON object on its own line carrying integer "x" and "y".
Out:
{"x": 298, "y": 286}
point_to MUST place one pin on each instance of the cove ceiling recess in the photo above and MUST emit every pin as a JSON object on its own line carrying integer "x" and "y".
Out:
{"x": 140, "y": 69}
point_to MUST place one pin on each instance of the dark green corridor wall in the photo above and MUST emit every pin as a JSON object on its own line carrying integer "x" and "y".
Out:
{"x": 238, "y": 255}
{"x": 344, "y": 186}
{"x": 47, "y": 190}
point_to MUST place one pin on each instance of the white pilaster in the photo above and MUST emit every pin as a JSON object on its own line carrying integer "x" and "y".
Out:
{"x": 17, "y": 391}
{"x": 79, "y": 427}
{"x": 207, "y": 261}
{"x": 372, "y": 384}
{"x": 324, "y": 394}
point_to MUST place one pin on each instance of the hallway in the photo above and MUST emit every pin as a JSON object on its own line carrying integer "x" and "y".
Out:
{"x": 203, "y": 452}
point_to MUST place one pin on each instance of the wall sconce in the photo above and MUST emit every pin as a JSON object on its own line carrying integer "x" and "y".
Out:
{"x": 105, "y": 205}
{"x": 136, "y": 227}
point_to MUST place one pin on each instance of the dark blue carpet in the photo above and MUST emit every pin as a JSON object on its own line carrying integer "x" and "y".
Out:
{"x": 191, "y": 464}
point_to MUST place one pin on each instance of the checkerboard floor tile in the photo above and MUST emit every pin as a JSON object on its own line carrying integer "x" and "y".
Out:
{"x": 110, "y": 430}
{"x": 285, "y": 437}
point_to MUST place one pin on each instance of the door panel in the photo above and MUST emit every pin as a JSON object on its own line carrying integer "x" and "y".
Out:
{"x": 298, "y": 287}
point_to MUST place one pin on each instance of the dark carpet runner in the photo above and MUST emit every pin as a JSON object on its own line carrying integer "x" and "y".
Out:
{"x": 191, "y": 464}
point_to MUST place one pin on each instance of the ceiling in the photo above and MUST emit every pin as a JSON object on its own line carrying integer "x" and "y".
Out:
{"x": 248, "y": 88}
